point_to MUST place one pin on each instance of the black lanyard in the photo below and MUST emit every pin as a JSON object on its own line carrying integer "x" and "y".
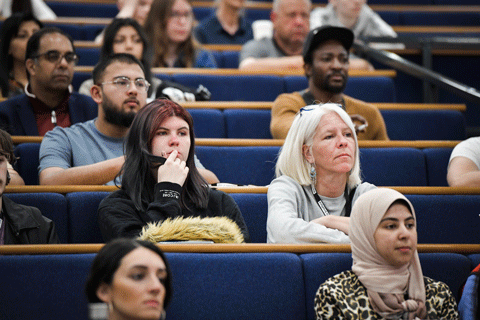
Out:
{"x": 348, "y": 204}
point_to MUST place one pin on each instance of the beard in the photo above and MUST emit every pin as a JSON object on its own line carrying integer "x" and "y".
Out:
{"x": 327, "y": 86}
{"x": 115, "y": 116}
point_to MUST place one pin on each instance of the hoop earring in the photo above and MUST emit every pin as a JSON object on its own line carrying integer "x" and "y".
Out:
{"x": 313, "y": 173}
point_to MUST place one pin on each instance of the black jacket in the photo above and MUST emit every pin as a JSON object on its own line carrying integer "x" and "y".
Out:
{"x": 118, "y": 216}
{"x": 26, "y": 225}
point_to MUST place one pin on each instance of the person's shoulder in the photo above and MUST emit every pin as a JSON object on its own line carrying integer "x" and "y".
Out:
{"x": 254, "y": 43}
{"x": 435, "y": 287}
{"x": 74, "y": 131}
{"x": 32, "y": 212}
{"x": 284, "y": 183}
{"x": 13, "y": 101}
{"x": 341, "y": 280}
{"x": 296, "y": 96}
{"x": 76, "y": 97}
{"x": 364, "y": 187}
{"x": 352, "y": 102}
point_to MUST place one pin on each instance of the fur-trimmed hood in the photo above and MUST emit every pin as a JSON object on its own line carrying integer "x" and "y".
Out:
{"x": 216, "y": 229}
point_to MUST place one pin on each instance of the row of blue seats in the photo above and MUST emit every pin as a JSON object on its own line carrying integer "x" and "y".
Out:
{"x": 269, "y": 87}
{"x": 400, "y": 124}
{"x": 394, "y": 18}
{"x": 221, "y": 286}
{"x": 440, "y": 218}
{"x": 256, "y": 165}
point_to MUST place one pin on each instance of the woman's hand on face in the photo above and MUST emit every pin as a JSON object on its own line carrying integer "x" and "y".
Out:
{"x": 173, "y": 170}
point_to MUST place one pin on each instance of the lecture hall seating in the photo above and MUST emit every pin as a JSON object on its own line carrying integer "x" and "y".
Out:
{"x": 221, "y": 286}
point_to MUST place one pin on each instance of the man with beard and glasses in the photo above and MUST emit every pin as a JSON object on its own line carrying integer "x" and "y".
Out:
{"x": 91, "y": 153}
{"x": 48, "y": 101}
{"x": 326, "y": 62}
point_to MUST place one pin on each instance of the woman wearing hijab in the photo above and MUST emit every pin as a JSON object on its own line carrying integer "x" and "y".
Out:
{"x": 386, "y": 280}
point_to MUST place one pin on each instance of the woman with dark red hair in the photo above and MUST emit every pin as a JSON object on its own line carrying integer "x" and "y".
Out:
{"x": 160, "y": 181}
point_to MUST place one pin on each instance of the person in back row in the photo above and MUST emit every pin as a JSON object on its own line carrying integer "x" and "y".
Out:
{"x": 318, "y": 179}
{"x": 160, "y": 181}
{"x": 19, "y": 224}
{"x": 14, "y": 35}
{"x": 225, "y": 25}
{"x": 283, "y": 51}
{"x": 355, "y": 15}
{"x": 464, "y": 164}
{"x": 92, "y": 152}
{"x": 326, "y": 56}
{"x": 169, "y": 26}
{"x": 48, "y": 101}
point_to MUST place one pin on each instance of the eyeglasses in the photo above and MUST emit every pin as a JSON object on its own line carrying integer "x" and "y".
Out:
{"x": 177, "y": 15}
{"x": 55, "y": 56}
{"x": 123, "y": 83}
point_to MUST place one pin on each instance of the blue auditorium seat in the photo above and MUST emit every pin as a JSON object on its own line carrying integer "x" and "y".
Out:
{"x": 82, "y": 213}
{"x": 28, "y": 161}
{"x": 219, "y": 59}
{"x": 254, "y": 208}
{"x": 368, "y": 89}
{"x": 393, "y": 18}
{"x": 208, "y": 123}
{"x": 91, "y": 31}
{"x": 240, "y": 165}
{"x": 456, "y": 2}
{"x": 201, "y": 13}
{"x": 235, "y": 88}
{"x": 257, "y": 14}
{"x": 425, "y": 124}
{"x": 230, "y": 59}
{"x": 78, "y": 78}
{"x": 44, "y": 287}
{"x": 447, "y": 218}
{"x": 83, "y": 9}
{"x": 75, "y": 31}
{"x": 401, "y": 2}
{"x": 318, "y": 267}
{"x": 248, "y": 123}
{"x": 393, "y": 166}
{"x": 52, "y": 206}
{"x": 437, "y": 165}
{"x": 88, "y": 56}
{"x": 215, "y": 286}
{"x": 441, "y": 18}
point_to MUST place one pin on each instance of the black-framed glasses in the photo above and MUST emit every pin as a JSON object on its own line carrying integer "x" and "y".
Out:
{"x": 55, "y": 56}
{"x": 123, "y": 83}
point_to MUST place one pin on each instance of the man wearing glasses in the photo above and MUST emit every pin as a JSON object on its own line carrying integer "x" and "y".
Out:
{"x": 48, "y": 100}
{"x": 92, "y": 152}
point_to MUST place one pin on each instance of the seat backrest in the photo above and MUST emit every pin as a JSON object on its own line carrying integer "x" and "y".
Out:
{"x": 51, "y": 205}
{"x": 208, "y": 123}
{"x": 240, "y": 165}
{"x": 425, "y": 124}
{"x": 88, "y": 56}
{"x": 235, "y": 88}
{"x": 82, "y": 213}
{"x": 44, "y": 287}
{"x": 254, "y": 208}
{"x": 28, "y": 161}
{"x": 224, "y": 286}
{"x": 393, "y": 166}
{"x": 248, "y": 124}
{"x": 447, "y": 218}
{"x": 368, "y": 89}
{"x": 83, "y": 9}
{"x": 437, "y": 164}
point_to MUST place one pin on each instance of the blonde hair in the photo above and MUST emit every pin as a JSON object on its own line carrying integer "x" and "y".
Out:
{"x": 291, "y": 161}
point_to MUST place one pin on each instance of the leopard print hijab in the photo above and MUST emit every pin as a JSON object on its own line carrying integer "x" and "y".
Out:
{"x": 386, "y": 285}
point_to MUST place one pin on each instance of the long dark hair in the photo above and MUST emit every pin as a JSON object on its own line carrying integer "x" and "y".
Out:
{"x": 108, "y": 260}
{"x": 138, "y": 180}
{"x": 9, "y": 31}
{"x": 156, "y": 28}
{"x": 22, "y": 6}
{"x": 109, "y": 36}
